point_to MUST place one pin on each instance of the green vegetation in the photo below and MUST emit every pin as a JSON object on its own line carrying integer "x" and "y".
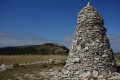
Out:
{"x": 44, "y": 49}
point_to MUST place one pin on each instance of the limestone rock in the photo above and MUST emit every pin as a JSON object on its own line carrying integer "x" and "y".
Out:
{"x": 95, "y": 73}
{"x": 2, "y": 67}
{"x": 90, "y": 49}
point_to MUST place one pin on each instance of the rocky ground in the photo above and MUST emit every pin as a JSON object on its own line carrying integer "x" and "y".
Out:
{"x": 55, "y": 73}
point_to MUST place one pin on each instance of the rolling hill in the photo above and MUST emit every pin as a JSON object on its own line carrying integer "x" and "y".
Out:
{"x": 44, "y": 49}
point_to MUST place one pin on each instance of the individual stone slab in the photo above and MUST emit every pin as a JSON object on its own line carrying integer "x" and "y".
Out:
{"x": 95, "y": 73}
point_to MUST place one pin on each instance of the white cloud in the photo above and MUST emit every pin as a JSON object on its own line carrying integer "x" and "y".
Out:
{"x": 20, "y": 42}
{"x": 66, "y": 41}
{"x": 10, "y": 39}
{"x": 114, "y": 41}
{"x": 2, "y": 33}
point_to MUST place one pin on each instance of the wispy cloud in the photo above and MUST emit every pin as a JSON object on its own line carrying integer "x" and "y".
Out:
{"x": 2, "y": 33}
{"x": 20, "y": 42}
{"x": 114, "y": 41}
{"x": 66, "y": 41}
{"x": 11, "y": 39}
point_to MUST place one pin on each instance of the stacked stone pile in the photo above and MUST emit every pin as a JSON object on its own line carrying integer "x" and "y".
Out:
{"x": 90, "y": 52}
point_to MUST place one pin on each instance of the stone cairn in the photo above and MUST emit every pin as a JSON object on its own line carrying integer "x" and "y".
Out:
{"x": 90, "y": 52}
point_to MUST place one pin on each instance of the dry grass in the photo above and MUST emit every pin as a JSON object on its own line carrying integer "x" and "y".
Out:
{"x": 117, "y": 58}
{"x": 28, "y": 69}
{"x": 13, "y": 73}
{"x": 12, "y": 59}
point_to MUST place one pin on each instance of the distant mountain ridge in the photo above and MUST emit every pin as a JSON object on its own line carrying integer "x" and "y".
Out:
{"x": 44, "y": 49}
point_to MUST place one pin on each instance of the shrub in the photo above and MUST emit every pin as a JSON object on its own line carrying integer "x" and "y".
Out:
{"x": 16, "y": 65}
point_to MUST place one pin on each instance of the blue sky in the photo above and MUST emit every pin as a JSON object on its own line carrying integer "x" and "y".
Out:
{"x": 50, "y": 20}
